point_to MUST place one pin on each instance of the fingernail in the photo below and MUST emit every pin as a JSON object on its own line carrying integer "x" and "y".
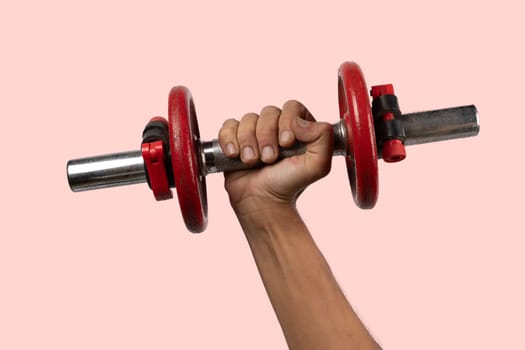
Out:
{"x": 230, "y": 149}
{"x": 286, "y": 136}
{"x": 267, "y": 152}
{"x": 302, "y": 122}
{"x": 247, "y": 153}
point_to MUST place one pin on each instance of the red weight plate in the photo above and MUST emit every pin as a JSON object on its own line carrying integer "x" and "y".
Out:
{"x": 184, "y": 138}
{"x": 354, "y": 108}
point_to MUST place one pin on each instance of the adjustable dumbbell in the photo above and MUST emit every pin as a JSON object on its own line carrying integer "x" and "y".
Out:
{"x": 172, "y": 154}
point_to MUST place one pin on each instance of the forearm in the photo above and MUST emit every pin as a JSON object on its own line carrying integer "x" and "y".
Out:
{"x": 310, "y": 306}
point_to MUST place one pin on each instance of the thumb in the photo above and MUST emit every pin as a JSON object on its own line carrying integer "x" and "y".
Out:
{"x": 318, "y": 138}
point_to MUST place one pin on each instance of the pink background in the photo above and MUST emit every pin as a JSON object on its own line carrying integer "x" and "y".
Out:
{"x": 438, "y": 264}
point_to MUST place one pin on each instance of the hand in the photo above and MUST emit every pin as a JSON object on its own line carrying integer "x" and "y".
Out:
{"x": 257, "y": 138}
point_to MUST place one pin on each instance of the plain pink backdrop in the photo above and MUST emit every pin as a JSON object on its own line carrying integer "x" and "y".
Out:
{"x": 438, "y": 264}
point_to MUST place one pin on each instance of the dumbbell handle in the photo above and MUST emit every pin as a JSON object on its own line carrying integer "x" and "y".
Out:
{"x": 128, "y": 167}
{"x": 215, "y": 161}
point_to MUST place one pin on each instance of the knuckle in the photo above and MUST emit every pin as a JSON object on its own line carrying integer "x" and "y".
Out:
{"x": 228, "y": 130}
{"x": 270, "y": 109}
{"x": 230, "y": 122}
{"x": 249, "y": 117}
{"x": 293, "y": 105}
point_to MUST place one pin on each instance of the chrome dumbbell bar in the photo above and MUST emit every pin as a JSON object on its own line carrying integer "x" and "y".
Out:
{"x": 126, "y": 168}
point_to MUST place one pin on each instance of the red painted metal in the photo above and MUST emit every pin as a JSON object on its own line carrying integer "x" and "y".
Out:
{"x": 153, "y": 154}
{"x": 354, "y": 109}
{"x": 184, "y": 143}
{"x": 159, "y": 119}
{"x": 392, "y": 150}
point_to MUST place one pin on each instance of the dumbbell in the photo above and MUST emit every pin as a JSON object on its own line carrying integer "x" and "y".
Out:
{"x": 172, "y": 154}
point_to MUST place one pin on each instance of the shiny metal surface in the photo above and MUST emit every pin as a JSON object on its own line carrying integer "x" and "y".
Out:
{"x": 128, "y": 168}
{"x": 440, "y": 124}
{"x": 340, "y": 139}
{"x": 104, "y": 171}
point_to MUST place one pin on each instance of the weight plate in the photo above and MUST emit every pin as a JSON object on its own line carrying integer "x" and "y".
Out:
{"x": 354, "y": 108}
{"x": 186, "y": 163}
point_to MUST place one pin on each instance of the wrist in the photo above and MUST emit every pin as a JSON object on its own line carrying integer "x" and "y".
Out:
{"x": 253, "y": 207}
{"x": 267, "y": 215}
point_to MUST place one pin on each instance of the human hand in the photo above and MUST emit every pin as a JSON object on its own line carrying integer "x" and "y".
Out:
{"x": 257, "y": 138}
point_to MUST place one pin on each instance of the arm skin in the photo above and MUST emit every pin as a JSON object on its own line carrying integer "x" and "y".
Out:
{"x": 310, "y": 306}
